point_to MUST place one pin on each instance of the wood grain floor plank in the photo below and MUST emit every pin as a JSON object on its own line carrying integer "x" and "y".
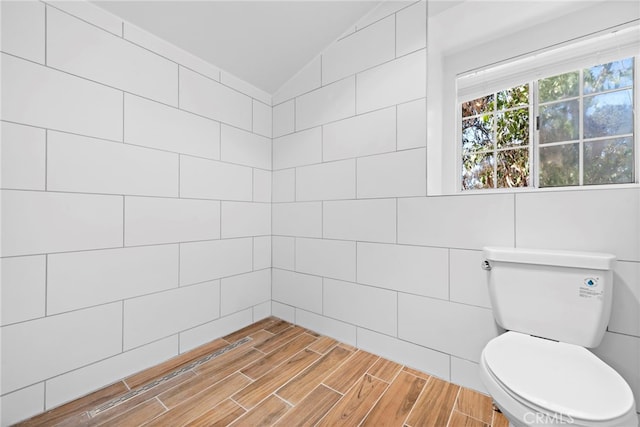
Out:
{"x": 250, "y": 329}
{"x": 75, "y": 408}
{"x": 278, "y": 326}
{"x": 266, "y": 413}
{"x": 395, "y": 405}
{"x": 323, "y": 345}
{"x": 434, "y": 405}
{"x": 385, "y": 369}
{"x": 298, "y": 388}
{"x": 251, "y": 395}
{"x": 351, "y": 371}
{"x": 499, "y": 420}
{"x": 278, "y": 356}
{"x": 474, "y": 404}
{"x": 458, "y": 419}
{"x": 207, "y": 378}
{"x": 127, "y": 405}
{"x": 222, "y": 415}
{"x": 416, "y": 373}
{"x": 220, "y": 361}
{"x": 139, "y": 414}
{"x": 148, "y": 375}
{"x": 355, "y": 405}
{"x": 200, "y": 403}
{"x": 279, "y": 339}
{"x": 311, "y": 409}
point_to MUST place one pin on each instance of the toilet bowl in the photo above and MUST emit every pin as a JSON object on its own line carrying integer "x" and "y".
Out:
{"x": 536, "y": 382}
{"x": 554, "y": 305}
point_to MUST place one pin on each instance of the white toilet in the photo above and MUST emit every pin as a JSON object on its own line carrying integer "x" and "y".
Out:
{"x": 553, "y": 304}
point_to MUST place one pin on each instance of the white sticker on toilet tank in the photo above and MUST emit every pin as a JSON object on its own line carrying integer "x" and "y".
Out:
{"x": 590, "y": 288}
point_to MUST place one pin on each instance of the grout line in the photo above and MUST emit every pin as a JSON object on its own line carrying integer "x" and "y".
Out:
{"x": 453, "y": 407}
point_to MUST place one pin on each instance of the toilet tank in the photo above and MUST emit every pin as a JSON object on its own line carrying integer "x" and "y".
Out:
{"x": 559, "y": 295}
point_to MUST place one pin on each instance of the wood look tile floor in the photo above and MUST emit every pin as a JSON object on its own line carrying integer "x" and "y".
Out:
{"x": 284, "y": 375}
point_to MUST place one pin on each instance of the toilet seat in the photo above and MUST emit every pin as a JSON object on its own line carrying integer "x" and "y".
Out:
{"x": 557, "y": 378}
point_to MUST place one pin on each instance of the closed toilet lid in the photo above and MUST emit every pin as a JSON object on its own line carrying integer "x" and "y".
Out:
{"x": 562, "y": 378}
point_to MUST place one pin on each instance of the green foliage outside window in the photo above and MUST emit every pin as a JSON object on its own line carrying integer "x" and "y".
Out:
{"x": 584, "y": 136}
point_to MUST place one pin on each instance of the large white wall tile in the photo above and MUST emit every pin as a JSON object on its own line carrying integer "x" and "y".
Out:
{"x": 412, "y": 124}
{"x": 82, "y": 381}
{"x": 595, "y": 220}
{"x": 262, "y": 185}
{"x": 406, "y": 353}
{"x": 38, "y": 222}
{"x": 359, "y": 51}
{"x": 261, "y": 252}
{"x": 468, "y": 282}
{"x": 203, "y": 334}
{"x": 262, "y": 119}
{"x": 381, "y": 11}
{"x": 23, "y": 29}
{"x": 411, "y": 28}
{"x": 399, "y": 174}
{"x": 284, "y": 118}
{"x": 159, "y": 126}
{"x": 625, "y": 316}
{"x": 284, "y": 185}
{"x": 40, "y": 349}
{"x": 307, "y": 79}
{"x": 91, "y": 13}
{"x": 326, "y": 181}
{"x": 458, "y": 329}
{"x": 40, "y": 96}
{"x": 23, "y": 288}
{"x": 156, "y": 316}
{"x": 245, "y": 148}
{"x": 202, "y": 261}
{"x": 283, "y": 250}
{"x": 240, "y": 219}
{"x": 622, "y": 353}
{"x": 296, "y": 289}
{"x": 366, "y": 220}
{"x": 466, "y": 374}
{"x": 209, "y": 98}
{"x": 262, "y": 310}
{"x": 332, "y": 102}
{"x": 328, "y": 258}
{"x": 284, "y": 312}
{"x": 162, "y": 47}
{"x": 82, "y": 49}
{"x": 365, "y": 306}
{"x": 245, "y": 290}
{"x": 82, "y": 164}
{"x": 413, "y": 269}
{"x": 297, "y": 219}
{"x": 82, "y": 279}
{"x": 361, "y": 135}
{"x": 210, "y": 179}
{"x": 151, "y": 220}
{"x": 395, "y": 82}
{"x": 467, "y": 222}
{"x": 22, "y": 404}
{"x": 23, "y": 154}
{"x": 298, "y": 149}
{"x": 341, "y": 331}
{"x": 244, "y": 87}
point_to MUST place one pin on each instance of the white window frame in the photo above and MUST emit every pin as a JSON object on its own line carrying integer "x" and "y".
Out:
{"x": 609, "y": 46}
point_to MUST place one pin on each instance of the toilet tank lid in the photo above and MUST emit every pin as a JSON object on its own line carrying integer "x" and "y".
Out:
{"x": 573, "y": 259}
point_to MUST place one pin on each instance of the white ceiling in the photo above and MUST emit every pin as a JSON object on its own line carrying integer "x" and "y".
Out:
{"x": 262, "y": 42}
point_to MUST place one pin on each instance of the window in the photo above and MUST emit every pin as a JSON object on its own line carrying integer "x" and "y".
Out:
{"x": 574, "y": 128}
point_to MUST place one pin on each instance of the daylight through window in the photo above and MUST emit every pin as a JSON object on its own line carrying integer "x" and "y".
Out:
{"x": 576, "y": 128}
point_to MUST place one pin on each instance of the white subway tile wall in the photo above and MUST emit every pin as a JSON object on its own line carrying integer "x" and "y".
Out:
{"x": 121, "y": 155}
{"x": 200, "y": 226}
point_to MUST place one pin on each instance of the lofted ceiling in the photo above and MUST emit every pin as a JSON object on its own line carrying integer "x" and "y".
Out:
{"x": 262, "y": 42}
